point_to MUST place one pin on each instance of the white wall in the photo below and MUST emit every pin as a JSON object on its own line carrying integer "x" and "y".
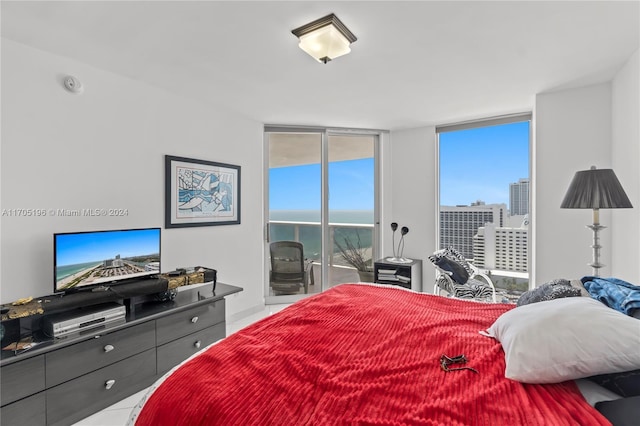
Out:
{"x": 625, "y": 229}
{"x": 105, "y": 149}
{"x": 574, "y": 131}
{"x": 413, "y": 196}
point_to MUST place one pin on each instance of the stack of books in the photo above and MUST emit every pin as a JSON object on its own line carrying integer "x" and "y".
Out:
{"x": 392, "y": 275}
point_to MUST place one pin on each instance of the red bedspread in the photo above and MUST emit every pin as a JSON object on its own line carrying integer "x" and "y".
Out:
{"x": 365, "y": 355}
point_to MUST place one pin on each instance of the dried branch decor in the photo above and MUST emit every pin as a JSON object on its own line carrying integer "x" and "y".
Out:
{"x": 354, "y": 254}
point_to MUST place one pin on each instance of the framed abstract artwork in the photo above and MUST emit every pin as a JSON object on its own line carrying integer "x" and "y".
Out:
{"x": 201, "y": 193}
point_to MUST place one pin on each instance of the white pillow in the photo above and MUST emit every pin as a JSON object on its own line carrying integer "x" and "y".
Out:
{"x": 565, "y": 339}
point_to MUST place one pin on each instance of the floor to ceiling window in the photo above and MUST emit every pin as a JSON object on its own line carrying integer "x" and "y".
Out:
{"x": 484, "y": 197}
{"x": 321, "y": 193}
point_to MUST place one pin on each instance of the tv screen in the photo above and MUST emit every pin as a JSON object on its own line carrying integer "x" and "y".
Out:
{"x": 88, "y": 259}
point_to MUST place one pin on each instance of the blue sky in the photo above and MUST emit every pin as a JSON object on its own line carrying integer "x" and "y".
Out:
{"x": 86, "y": 247}
{"x": 479, "y": 164}
{"x": 298, "y": 187}
{"x": 476, "y": 164}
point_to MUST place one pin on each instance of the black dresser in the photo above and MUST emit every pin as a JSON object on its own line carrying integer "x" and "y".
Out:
{"x": 63, "y": 380}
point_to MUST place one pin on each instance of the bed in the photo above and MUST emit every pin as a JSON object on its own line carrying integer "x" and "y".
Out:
{"x": 373, "y": 355}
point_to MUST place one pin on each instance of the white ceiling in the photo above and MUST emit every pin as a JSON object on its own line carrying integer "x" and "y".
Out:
{"x": 415, "y": 63}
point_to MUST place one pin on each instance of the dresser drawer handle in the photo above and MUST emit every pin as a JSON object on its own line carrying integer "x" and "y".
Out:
{"x": 109, "y": 384}
{"x": 109, "y": 348}
{"x": 194, "y": 320}
{"x": 197, "y": 344}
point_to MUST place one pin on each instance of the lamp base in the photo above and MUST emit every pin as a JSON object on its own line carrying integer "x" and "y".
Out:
{"x": 398, "y": 260}
{"x": 595, "y": 264}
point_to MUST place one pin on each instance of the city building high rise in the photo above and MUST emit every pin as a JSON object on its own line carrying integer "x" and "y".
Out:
{"x": 519, "y": 197}
{"x": 502, "y": 248}
{"x": 487, "y": 235}
{"x": 459, "y": 224}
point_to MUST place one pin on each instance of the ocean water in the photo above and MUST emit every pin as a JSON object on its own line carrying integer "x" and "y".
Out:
{"x": 310, "y": 236}
{"x": 67, "y": 270}
{"x": 335, "y": 216}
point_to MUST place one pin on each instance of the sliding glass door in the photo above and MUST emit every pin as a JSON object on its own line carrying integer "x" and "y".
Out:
{"x": 294, "y": 213}
{"x": 321, "y": 194}
{"x": 351, "y": 208}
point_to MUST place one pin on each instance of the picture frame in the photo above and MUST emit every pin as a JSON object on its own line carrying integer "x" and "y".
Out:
{"x": 201, "y": 193}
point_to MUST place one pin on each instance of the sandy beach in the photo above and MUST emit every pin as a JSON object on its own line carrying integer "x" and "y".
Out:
{"x": 65, "y": 281}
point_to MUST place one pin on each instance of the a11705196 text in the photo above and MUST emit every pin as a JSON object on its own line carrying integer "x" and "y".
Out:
{"x": 57, "y": 212}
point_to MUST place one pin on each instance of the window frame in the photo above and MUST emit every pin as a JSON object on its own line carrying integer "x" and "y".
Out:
{"x": 487, "y": 122}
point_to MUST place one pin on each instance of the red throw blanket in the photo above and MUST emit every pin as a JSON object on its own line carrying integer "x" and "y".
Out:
{"x": 362, "y": 355}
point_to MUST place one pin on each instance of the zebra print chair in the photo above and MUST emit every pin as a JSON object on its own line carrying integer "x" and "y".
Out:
{"x": 457, "y": 277}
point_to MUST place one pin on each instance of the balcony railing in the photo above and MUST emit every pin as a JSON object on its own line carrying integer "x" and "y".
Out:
{"x": 309, "y": 234}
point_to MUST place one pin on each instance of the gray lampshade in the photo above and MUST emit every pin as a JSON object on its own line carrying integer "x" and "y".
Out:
{"x": 595, "y": 189}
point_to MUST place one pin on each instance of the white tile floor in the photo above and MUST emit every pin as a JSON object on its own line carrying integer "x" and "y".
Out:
{"x": 118, "y": 413}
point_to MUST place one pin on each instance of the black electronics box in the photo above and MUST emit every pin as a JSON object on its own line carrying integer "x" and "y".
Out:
{"x": 210, "y": 275}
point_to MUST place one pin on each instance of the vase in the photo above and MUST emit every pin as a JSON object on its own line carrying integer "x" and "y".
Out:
{"x": 366, "y": 276}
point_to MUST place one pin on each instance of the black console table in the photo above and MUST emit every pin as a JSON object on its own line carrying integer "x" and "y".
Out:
{"x": 60, "y": 381}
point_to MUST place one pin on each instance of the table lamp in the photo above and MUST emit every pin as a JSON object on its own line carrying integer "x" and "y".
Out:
{"x": 595, "y": 189}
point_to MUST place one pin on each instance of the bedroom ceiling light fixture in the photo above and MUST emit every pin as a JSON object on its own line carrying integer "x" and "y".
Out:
{"x": 595, "y": 189}
{"x": 325, "y": 39}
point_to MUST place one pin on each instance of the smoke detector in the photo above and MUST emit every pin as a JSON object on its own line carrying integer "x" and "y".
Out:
{"x": 73, "y": 85}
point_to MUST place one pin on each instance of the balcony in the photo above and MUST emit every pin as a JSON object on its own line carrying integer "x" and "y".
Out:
{"x": 309, "y": 234}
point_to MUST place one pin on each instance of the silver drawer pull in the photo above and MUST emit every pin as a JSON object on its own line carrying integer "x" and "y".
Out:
{"x": 197, "y": 344}
{"x": 194, "y": 320}
{"x": 109, "y": 348}
{"x": 109, "y": 384}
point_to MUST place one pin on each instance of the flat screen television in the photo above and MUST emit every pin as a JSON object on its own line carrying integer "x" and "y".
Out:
{"x": 86, "y": 260}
